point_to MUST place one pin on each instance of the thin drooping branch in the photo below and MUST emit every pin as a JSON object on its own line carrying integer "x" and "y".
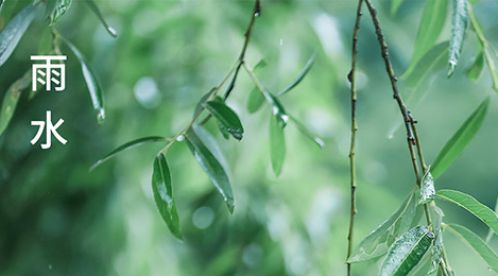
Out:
{"x": 235, "y": 70}
{"x": 414, "y": 145}
{"x": 354, "y": 129}
{"x": 247, "y": 36}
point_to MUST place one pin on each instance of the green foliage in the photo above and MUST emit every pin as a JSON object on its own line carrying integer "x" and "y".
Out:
{"x": 60, "y": 8}
{"x": 11, "y": 99}
{"x": 277, "y": 144}
{"x": 431, "y": 26}
{"x": 163, "y": 195}
{"x": 92, "y": 83}
{"x": 227, "y": 118}
{"x": 460, "y": 140}
{"x": 407, "y": 251}
{"x": 196, "y": 141}
{"x": 469, "y": 203}
{"x": 459, "y": 27}
{"x": 93, "y": 6}
{"x": 427, "y": 189}
{"x": 477, "y": 244}
{"x": 475, "y": 69}
{"x": 15, "y": 29}
{"x": 378, "y": 241}
{"x": 300, "y": 76}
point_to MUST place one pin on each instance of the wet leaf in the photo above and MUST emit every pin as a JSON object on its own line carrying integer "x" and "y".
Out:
{"x": 407, "y": 251}
{"x": 206, "y": 158}
{"x": 92, "y": 83}
{"x": 486, "y": 253}
{"x": 277, "y": 144}
{"x": 11, "y": 98}
{"x": 163, "y": 195}
{"x": 93, "y": 6}
{"x": 379, "y": 240}
{"x": 256, "y": 98}
{"x": 460, "y": 140}
{"x": 458, "y": 29}
{"x": 427, "y": 190}
{"x": 431, "y": 25}
{"x": 128, "y": 145}
{"x": 306, "y": 132}
{"x": 227, "y": 118}
{"x": 469, "y": 203}
{"x": 60, "y": 8}
{"x": 475, "y": 69}
{"x": 426, "y": 65}
{"x": 300, "y": 76}
{"x": 15, "y": 29}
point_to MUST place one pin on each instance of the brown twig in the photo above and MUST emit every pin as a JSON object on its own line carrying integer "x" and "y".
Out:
{"x": 354, "y": 129}
{"x": 414, "y": 144}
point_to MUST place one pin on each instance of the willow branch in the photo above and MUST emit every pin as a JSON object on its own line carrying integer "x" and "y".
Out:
{"x": 354, "y": 129}
{"x": 247, "y": 37}
{"x": 410, "y": 123}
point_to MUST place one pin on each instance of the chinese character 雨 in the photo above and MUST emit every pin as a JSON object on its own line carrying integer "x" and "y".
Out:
{"x": 47, "y": 72}
{"x": 50, "y": 129}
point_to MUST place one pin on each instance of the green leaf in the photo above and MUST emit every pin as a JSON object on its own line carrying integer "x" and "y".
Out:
{"x": 163, "y": 195}
{"x": 11, "y": 99}
{"x": 15, "y": 29}
{"x": 395, "y": 4}
{"x": 300, "y": 76}
{"x": 277, "y": 144}
{"x": 379, "y": 240}
{"x": 460, "y": 140}
{"x": 475, "y": 69}
{"x": 227, "y": 117}
{"x": 196, "y": 141}
{"x": 200, "y": 105}
{"x": 128, "y": 145}
{"x": 438, "y": 246}
{"x": 490, "y": 234}
{"x": 426, "y": 64}
{"x": 255, "y": 101}
{"x": 477, "y": 244}
{"x": 431, "y": 25}
{"x": 92, "y": 83}
{"x": 407, "y": 251}
{"x": 469, "y": 203}
{"x": 93, "y": 6}
{"x": 304, "y": 130}
{"x": 427, "y": 190}
{"x": 60, "y": 8}
{"x": 458, "y": 29}
{"x": 256, "y": 98}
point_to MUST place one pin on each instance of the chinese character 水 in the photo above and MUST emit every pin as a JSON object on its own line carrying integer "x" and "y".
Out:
{"x": 50, "y": 129}
{"x": 48, "y": 73}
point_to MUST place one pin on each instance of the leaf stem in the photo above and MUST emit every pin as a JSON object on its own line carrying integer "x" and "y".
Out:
{"x": 354, "y": 129}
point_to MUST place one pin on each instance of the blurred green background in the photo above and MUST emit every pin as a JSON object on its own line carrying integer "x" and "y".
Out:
{"x": 56, "y": 218}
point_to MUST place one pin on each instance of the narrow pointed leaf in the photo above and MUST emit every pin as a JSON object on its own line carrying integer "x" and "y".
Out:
{"x": 212, "y": 166}
{"x": 379, "y": 240}
{"x": 431, "y": 25}
{"x": 426, "y": 64}
{"x": 128, "y": 145}
{"x": 227, "y": 117}
{"x": 92, "y": 83}
{"x": 486, "y": 253}
{"x": 11, "y": 99}
{"x": 458, "y": 29}
{"x": 255, "y": 101}
{"x": 407, "y": 251}
{"x": 256, "y": 98}
{"x": 491, "y": 233}
{"x": 277, "y": 144}
{"x": 304, "y": 130}
{"x": 427, "y": 190}
{"x": 395, "y": 4}
{"x": 469, "y": 203}
{"x": 475, "y": 69}
{"x": 60, "y": 8}
{"x": 459, "y": 140}
{"x": 163, "y": 195}
{"x": 93, "y": 6}
{"x": 299, "y": 77}
{"x": 15, "y": 29}
{"x": 202, "y": 102}
{"x": 438, "y": 246}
